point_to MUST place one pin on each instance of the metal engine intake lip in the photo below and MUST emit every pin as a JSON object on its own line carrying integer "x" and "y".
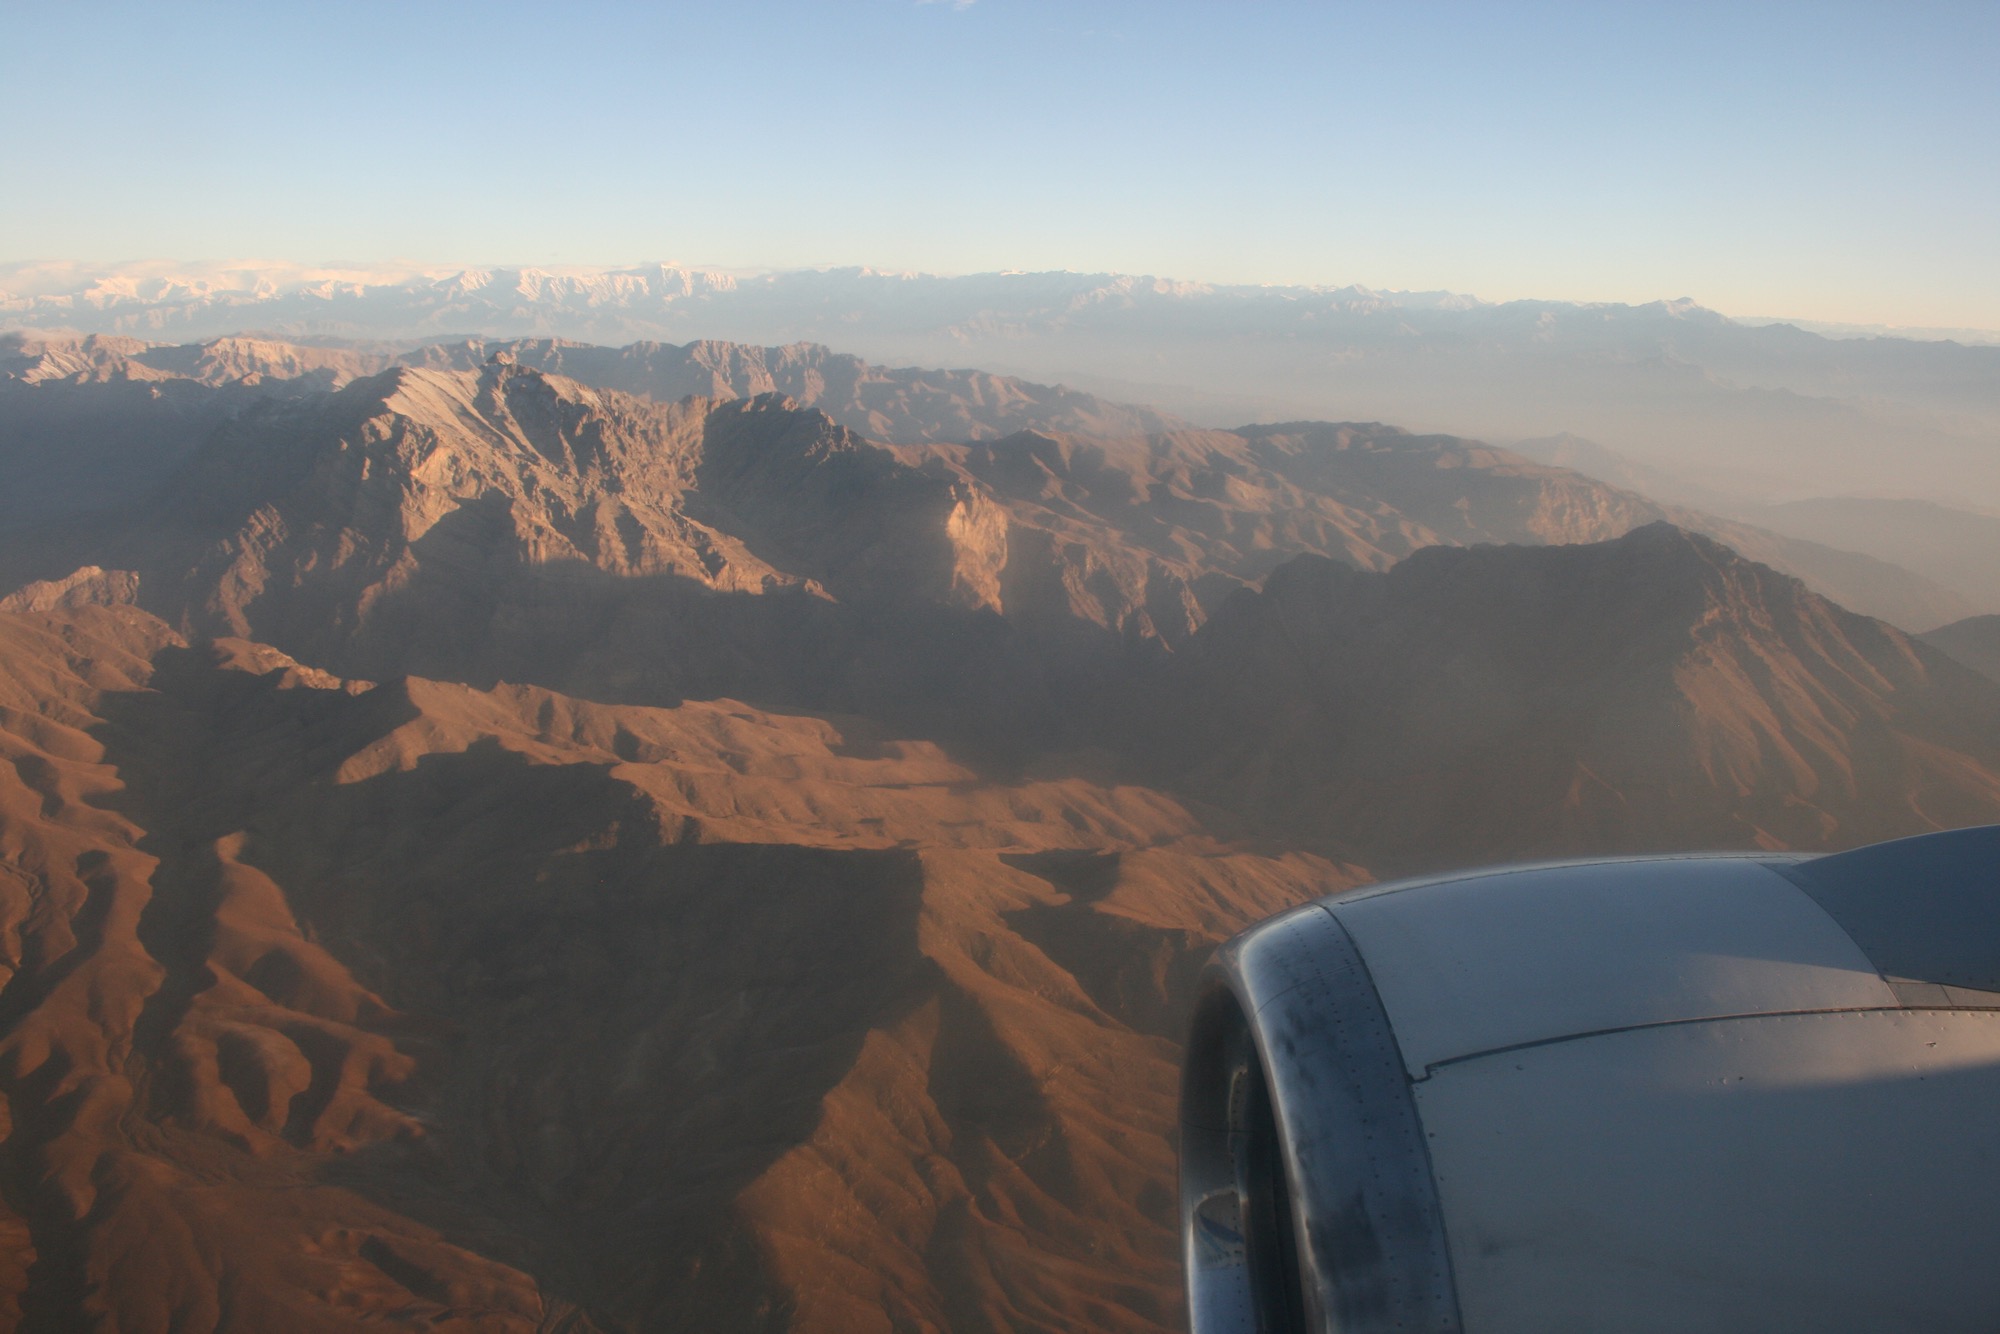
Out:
{"x": 1306, "y": 1185}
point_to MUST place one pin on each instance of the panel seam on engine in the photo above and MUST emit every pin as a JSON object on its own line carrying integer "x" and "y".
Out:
{"x": 1435, "y": 1066}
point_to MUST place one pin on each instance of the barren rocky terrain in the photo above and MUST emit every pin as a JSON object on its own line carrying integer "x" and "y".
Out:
{"x": 111, "y": 416}
{"x": 529, "y": 836}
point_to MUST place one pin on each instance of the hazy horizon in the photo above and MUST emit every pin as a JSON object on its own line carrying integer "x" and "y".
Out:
{"x": 1814, "y": 163}
{"x": 83, "y": 272}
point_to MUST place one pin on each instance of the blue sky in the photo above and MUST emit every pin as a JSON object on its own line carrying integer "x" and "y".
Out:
{"x": 1826, "y": 161}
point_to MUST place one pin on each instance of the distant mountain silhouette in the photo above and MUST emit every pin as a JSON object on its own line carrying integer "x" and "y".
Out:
{"x": 1758, "y": 411}
{"x": 1974, "y": 641}
{"x": 1953, "y": 548}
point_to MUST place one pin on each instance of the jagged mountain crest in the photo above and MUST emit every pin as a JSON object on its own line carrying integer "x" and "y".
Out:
{"x": 1643, "y": 693}
{"x": 505, "y": 523}
{"x": 548, "y": 471}
{"x": 1359, "y": 490}
{"x": 901, "y": 404}
{"x": 898, "y": 405}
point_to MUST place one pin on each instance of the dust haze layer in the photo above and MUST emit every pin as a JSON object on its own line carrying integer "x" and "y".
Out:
{"x": 1974, "y": 641}
{"x": 1764, "y": 411}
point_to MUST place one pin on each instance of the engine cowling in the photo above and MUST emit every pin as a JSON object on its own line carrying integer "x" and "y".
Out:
{"x": 1727, "y": 1093}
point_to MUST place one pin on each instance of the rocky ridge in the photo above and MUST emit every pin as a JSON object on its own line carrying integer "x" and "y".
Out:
{"x": 1653, "y": 692}
{"x": 488, "y": 851}
{"x": 334, "y": 1003}
{"x": 893, "y": 404}
{"x": 1276, "y": 468}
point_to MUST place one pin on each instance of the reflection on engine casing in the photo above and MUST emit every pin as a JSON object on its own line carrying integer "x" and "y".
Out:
{"x": 1721, "y": 1094}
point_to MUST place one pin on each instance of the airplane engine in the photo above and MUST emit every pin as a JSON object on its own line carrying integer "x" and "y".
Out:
{"x": 1755, "y": 1094}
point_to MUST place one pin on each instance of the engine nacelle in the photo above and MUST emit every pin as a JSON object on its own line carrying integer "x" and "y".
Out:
{"x": 1755, "y": 1094}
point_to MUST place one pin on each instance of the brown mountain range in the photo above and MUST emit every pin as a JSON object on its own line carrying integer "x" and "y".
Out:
{"x": 145, "y": 408}
{"x": 903, "y": 405}
{"x": 1209, "y": 502}
{"x": 421, "y": 1003}
{"x": 1650, "y": 693}
{"x": 335, "y": 1004}
{"x": 483, "y": 851}
{"x": 1749, "y": 408}
{"x": 113, "y": 380}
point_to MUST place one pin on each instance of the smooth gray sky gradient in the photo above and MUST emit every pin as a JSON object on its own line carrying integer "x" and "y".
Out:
{"x": 1827, "y": 161}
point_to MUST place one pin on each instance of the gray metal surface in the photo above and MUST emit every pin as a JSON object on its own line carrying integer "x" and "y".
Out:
{"x": 1368, "y": 1241}
{"x": 1795, "y": 1174}
{"x": 1924, "y": 909}
{"x": 1383, "y": 887}
{"x": 1477, "y": 964}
